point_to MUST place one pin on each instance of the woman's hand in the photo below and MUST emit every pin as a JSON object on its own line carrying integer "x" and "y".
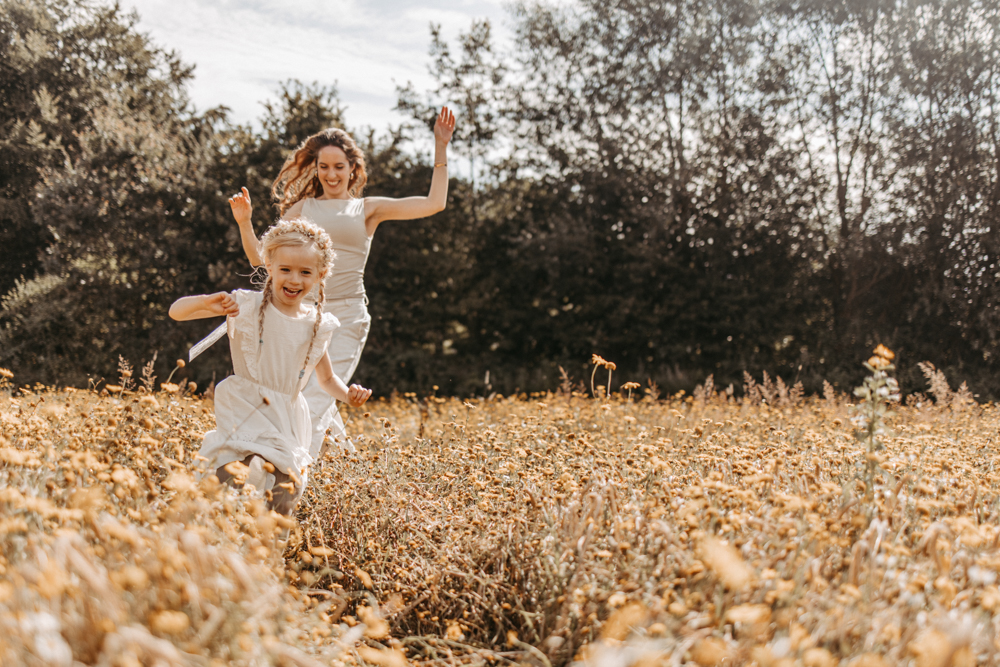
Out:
{"x": 444, "y": 127}
{"x": 357, "y": 395}
{"x": 221, "y": 303}
{"x": 242, "y": 209}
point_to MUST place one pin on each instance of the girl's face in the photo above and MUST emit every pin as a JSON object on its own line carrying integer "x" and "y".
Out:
{"x": 294, "y": 271}
{"x": 334, "y": 171}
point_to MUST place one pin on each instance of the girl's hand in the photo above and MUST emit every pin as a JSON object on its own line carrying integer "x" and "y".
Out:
{"x": 242, "y": 209}
{"x": 444, "y": 127}
{"x": 357, "y": 395}
{"x": 222, "y": 303}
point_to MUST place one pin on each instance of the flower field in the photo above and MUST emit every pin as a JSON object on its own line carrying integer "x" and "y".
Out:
{"x": 547, "y": 529}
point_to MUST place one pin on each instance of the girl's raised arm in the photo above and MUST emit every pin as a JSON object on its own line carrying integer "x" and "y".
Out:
{"x": 380, "y": 209}
{"x": 243, "y": 212}
{"x": 204, "y": 305}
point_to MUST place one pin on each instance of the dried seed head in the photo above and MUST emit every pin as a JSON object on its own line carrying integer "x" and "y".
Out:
{"x": 710, "y": 652}
{"x": 726, "y": 562}
{"x": 376, "y": 628}
{"x": 623, "y": 621}
{"x": 169, "y": 622}
{"x": 365, "y": 578}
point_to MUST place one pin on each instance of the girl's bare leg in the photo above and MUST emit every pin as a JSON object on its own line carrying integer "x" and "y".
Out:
{"x": 285, "y": 494}
{"x": 282, "y": 498}
{"x": 225, "y": 477}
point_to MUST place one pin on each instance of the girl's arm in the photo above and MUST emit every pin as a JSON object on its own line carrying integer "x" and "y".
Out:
{"x": 380, "y": 209}
{"x": 333, "y": 385}
{"x": 204, "y": 305}
{"x": 243, "y": 212}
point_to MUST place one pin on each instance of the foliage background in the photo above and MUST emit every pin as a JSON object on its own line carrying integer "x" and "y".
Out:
{"x": 686, "y": 188}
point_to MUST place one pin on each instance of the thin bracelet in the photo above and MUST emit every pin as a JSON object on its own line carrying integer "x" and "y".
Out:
{"x": 440, "y": 164}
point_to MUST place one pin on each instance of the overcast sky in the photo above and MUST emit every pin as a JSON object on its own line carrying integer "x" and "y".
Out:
{"x": 243, "y": 49}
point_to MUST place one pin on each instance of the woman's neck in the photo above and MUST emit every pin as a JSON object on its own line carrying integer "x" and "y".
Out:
{"x": 325, "y": 196}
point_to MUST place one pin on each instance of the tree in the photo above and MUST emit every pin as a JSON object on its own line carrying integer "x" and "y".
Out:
{"x": 135, "y": 224}
{"x": 59, "y": 60}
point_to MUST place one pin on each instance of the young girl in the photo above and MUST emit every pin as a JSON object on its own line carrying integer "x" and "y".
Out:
{"x": 322, "y": 181}
{"x": 277, "y": 338}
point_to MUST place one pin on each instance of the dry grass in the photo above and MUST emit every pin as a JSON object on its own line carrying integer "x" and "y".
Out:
{"x": 533, "y": 530}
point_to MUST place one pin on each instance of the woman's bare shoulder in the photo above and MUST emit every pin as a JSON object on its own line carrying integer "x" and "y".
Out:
{"x": 295, "y": 210}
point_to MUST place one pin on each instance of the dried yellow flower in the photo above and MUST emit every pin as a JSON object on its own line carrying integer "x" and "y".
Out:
{"x": 376, "y": 628}
{"x": 383, "y": 658}
{"x": 885, "y": 352}
{"x": 169, "y": 622}
{"x": 150, "y": 401}
{"x": 726, "y": 562}
{"x": 623, "y": 621}
{"x": 710, "y": 652}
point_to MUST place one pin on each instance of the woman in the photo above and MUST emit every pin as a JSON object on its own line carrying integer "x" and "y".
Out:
{"x": 322, "y": 181}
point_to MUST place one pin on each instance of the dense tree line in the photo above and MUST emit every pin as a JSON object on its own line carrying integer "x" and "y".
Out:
{"x": 685, "y": 187}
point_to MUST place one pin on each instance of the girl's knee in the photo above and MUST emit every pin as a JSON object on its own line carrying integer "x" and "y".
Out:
{"x": 227, "y": 477}
{"x": 284, "y": 497}
{"x": 286, "y": 493}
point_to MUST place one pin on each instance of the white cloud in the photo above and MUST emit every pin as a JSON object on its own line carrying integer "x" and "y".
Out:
{"x": 243, "y": 50}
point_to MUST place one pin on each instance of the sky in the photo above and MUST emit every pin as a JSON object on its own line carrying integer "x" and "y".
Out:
{"x": 243, "y": 49}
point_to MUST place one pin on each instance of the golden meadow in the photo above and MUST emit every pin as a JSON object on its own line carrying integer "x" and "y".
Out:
{"x": 636, "y": 529}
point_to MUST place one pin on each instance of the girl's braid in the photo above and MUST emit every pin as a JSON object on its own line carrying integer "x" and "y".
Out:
{"x": 325, "y": 249}
{"x": 265, "y": 299}
{"x": 319, "y": 319}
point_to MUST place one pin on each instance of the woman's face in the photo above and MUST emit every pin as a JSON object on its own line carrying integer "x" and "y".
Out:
{"x": 334, "y": 171}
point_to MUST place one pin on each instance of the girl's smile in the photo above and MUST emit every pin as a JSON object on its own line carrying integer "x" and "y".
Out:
{"x": 294, "y": 272}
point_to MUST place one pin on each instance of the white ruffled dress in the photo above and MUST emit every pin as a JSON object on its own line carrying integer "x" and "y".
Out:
{"x": 261, "y": 410}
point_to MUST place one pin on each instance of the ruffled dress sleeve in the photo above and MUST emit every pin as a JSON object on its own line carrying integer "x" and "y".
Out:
{"x": 327, "y": 326}
{"x": 244, "y": 333}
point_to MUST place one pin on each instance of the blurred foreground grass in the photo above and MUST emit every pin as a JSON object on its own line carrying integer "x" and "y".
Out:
{"x": 532, "y": 530}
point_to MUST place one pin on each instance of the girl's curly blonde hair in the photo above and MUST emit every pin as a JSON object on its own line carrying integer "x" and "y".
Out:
{"x": 298, "y": 178}
{"x": 297, "y": 232}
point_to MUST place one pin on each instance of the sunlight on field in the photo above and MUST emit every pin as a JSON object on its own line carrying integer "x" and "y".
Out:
{"x": 532, "y": 530}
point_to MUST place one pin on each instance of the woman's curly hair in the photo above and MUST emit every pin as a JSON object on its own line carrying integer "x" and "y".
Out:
{"x": 298, "y": 178}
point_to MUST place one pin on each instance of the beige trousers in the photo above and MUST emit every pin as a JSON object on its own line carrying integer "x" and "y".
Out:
{"x": 345, "y": 352}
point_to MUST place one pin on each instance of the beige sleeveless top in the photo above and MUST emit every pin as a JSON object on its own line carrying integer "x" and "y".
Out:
{"x": 344, "y": 221}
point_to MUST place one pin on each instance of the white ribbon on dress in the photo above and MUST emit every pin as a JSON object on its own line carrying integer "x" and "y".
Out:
{"x": 208, "y": 340}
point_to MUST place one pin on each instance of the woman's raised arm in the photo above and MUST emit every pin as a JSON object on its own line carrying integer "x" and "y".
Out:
{"x": 380, "y": 209}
